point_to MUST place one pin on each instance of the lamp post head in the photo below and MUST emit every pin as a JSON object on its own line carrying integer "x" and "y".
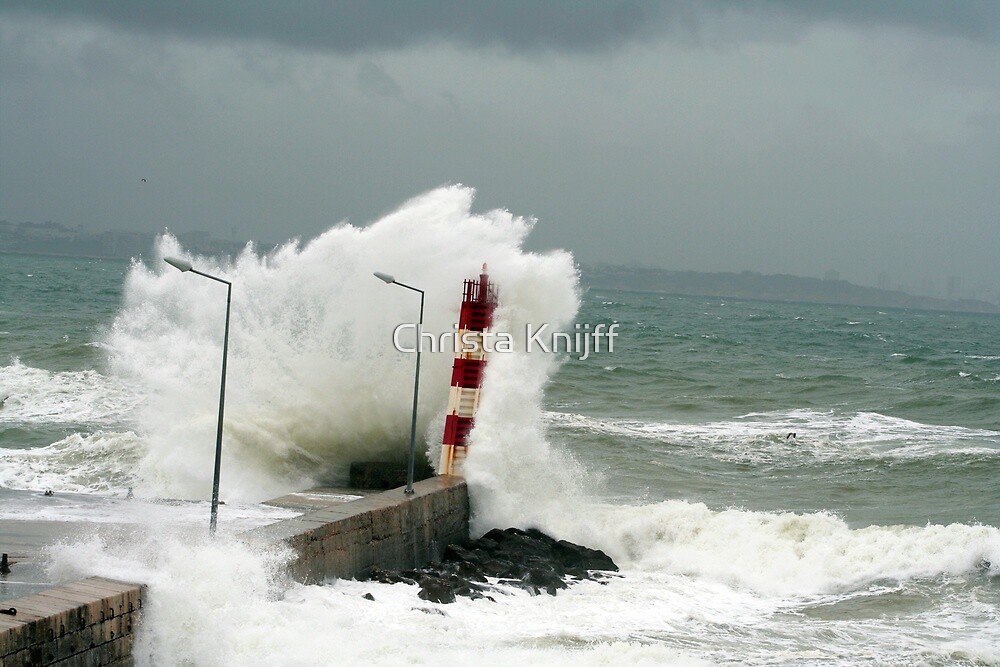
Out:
{"x": 179, "y": 264}
{"x": 385, "y": 277}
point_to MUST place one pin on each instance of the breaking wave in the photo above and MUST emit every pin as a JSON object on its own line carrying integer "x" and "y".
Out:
{"x": 314, "y": 382}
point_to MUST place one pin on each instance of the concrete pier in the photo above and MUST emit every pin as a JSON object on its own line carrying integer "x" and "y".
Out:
{"x": 86, "y": 623}
{"x": 341, "y": 534}
{"x": 22, "y": 541}
{"x": 389, "y": 530}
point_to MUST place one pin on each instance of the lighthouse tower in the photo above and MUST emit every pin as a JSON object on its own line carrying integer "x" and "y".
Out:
{"x": 479, "y": 299}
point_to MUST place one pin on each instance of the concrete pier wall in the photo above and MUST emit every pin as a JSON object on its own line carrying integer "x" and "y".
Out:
{"x": 389, "y": 530}
{"x": 83, "y": 624}
{"x": 92, "y": 622}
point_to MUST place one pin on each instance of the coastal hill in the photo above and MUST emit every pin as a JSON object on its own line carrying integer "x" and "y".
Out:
{"x": 779, "y": 287}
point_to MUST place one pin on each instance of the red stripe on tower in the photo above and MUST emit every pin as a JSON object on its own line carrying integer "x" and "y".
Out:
{"x": 479, "y": 299}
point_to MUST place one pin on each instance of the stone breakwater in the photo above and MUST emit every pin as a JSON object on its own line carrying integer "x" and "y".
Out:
{"x": 527, "y": 559}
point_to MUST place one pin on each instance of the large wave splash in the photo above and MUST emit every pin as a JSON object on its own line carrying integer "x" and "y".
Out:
{"x": 314, "y": 381}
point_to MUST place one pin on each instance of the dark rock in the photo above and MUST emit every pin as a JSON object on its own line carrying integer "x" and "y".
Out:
{"x": 542, "y": 577}
{"x": 471, "y": 571}
{"x": 576, "y": 556}
{"x": 389, "y": 577}
{"x": 457, "y": 552}
{"x": 436, "y": 589}
{"x": 369, "y": 596}
{"x": 527, "y": 559}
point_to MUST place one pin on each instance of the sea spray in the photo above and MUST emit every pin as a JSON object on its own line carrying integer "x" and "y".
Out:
{"x": 225, "y": 602}
{"x": 516, "y": 476}
{"x": 39, "y": 396}
{"x": 222, "y": 602}
{"x": 196, "y": 586}
{"x": 784, "y": 554}
{"x": 102, "y": 462}
{"x": 62, "y": 430}
{"x": 314, "y": 382}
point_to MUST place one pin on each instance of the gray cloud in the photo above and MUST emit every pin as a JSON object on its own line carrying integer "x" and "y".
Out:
{"x": 349, "y": 27}
{"x": 373, "y": 80}
{"x": 770, "y": 136}
{"x": 567, "y": 25}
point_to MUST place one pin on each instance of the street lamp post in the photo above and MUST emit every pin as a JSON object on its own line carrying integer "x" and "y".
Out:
{"x": 386, "y": 278}
{"x": 185, "y": 266}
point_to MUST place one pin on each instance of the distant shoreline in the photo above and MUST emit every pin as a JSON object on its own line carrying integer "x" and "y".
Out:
{"x": 52, "y": 239}
{"x": 746, "y": 286}
{"x": 781, "y": 288}
{"x": 938, "y": 311}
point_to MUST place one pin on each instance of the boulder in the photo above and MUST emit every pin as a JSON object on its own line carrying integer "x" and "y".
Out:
{"x": 528, "y": 559}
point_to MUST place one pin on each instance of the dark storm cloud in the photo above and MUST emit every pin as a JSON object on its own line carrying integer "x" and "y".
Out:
{"x": 574, "y": 25}
{"x": 349, "y": 27}
{"x": 767, "y": 135}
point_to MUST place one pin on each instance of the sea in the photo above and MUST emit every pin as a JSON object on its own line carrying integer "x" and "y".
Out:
{"x": 779, "y": 483}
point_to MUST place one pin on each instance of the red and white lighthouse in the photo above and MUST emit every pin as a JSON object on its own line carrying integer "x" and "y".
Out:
{"x": 479, "y": 299}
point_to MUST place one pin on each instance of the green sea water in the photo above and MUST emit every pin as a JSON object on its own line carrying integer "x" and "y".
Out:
{"x": 53, "y": 315}
{"x": 53, "y": 309}
{"x": 896, "y": 414}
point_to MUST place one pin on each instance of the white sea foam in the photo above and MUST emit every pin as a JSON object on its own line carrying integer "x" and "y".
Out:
{"x": 91, "y": 509}
{"x": 102, "y": 461}
{"x": 224, "y": 602}
{"x": 220, "y": 603}
{"x": 784, "y": 553}
{"x": 314, "y": 382}
{"x": 100, "y": 456}
{"x": 819, "y": 436}
{"x": 38, "y": 396}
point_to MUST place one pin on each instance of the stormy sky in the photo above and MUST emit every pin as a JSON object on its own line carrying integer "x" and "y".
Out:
{"x": 772, "y": 136}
